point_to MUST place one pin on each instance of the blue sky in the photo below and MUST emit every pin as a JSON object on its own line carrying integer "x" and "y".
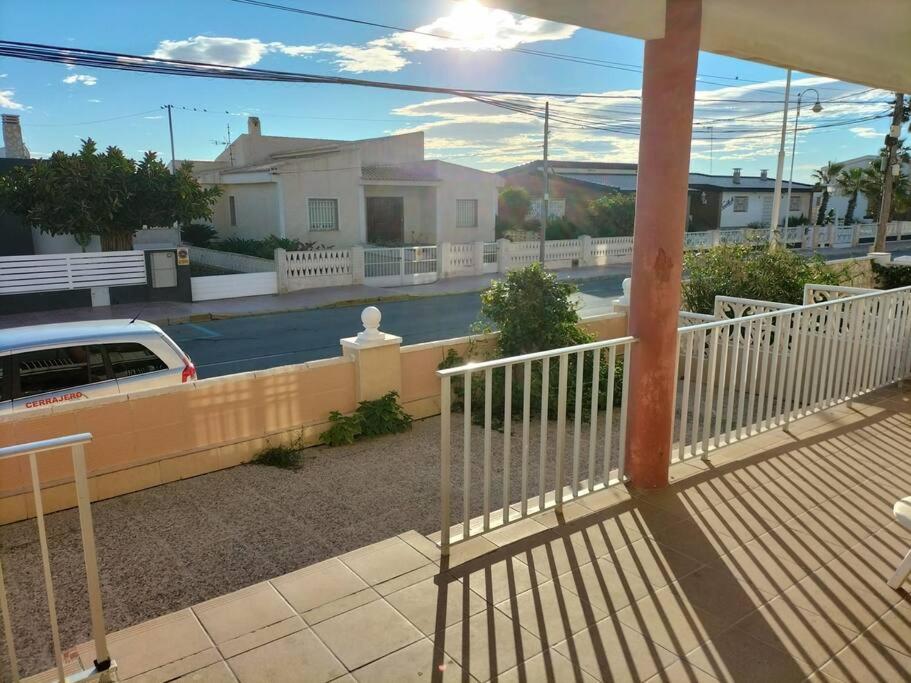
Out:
{"x": 59, "y": 105}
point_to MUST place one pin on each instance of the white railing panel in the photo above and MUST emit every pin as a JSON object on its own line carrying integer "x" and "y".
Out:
{"x": 572, "y": 416}
{"x": 461, "y": 259}
{"x": 698, "y": 240}
{"x": 737, "y": 307}
{"x": 52, "y": 272}
{"x": 316, "y": 268}
{"x": 605, "y": 250}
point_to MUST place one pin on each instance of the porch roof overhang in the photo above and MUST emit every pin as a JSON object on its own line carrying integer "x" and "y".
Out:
{"x": 860, "y": 42}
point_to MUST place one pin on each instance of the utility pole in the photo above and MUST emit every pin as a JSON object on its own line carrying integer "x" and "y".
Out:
{"x": 774, "y": 232}
{"x": 546, "y": 184}
{"x": 169, "y": 107}
{"x": 885, "y": 206}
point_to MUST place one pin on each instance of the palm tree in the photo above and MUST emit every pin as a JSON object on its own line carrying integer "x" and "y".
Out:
{"x": 824, "y": 177}
{"x": 872, "y": 184}
{"x": 850, "y": 182}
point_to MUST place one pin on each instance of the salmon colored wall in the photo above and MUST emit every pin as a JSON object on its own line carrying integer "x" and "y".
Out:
{"x": 155, "y": 437}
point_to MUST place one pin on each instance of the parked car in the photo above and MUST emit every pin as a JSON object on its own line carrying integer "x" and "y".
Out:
{"x": 44, "y": 365}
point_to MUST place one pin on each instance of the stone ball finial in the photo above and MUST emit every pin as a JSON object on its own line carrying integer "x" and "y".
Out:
{"x": 371, "y": 318}
{"x": 627, "y": 284}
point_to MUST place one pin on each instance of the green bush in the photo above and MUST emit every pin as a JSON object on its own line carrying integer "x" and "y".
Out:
{"x": 372, "y": 418}
{"x": 613, "y": 215}
{"x": 288, "y": 457}
{"x": 264, "y": 248}
{"x": 750, "y": 273}
{"x": 890, "y": 277}
{"x": 559, "y": 228}
{"x": 198, "y": 234}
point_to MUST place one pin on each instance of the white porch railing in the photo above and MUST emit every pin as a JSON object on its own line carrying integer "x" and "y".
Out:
{"x": 742, "y": 376}
{"x": 534, "y": 395}
{"x": 50, "y": 272}
{"x": 104, "y": 669}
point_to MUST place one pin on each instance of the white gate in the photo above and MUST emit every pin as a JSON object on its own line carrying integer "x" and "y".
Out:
{"x": 233, "y": 286}
{"x": 397, "y": 266}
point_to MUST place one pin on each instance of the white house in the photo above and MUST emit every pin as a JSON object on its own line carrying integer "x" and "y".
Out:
{"x": 340, "y": 193}
{"x": 839, "y": 201}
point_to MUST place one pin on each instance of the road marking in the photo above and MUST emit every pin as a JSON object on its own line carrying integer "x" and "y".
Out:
{"x": 205, "y": 330}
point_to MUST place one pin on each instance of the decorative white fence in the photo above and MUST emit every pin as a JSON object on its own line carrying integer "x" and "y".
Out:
{"x": 310, "y": 269}
{"x": 742, "y": 376}
{"x": 490, "y": 257}
{"x": 53, "y": 272}
{"x": 535, "y": 395}
{"x": 391, "y": 266}
{"x": 606, "y": 250}
{"x": 104, "y": 669}
{"x": 461, "y": 259}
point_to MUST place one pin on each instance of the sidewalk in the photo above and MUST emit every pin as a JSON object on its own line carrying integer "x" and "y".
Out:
{"x": 172, "y": 312}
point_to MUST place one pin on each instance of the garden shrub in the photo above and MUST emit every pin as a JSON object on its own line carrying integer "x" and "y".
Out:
{"x": 890, "y": 277}
{"x": 285, "y": 456}
{"x": 372, "y": 418}
{"x": 198, "y": 234}
{"x": 752, "y": 273}
{"x": 264, "y": 248}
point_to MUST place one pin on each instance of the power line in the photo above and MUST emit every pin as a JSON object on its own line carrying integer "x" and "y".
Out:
{"x": 87, "y": 123}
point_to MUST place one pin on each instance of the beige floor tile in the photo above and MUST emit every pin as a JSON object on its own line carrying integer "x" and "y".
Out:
{"x": 716, "y": 591}
{"x": 610, "y": 650}
{"x": 408, "y": 579}
{"x": 802, "y": 634}
{"x": 489, "y": 643}
{"x": 668, "y": 618}
{"x": 550, "y": 665}
{"x": 652, "y": 563}
{"x": 516, "y": 531}
{"x": 154, "y": 644}
{"x": 366, "y": 633}
{"x": 606, "y": 498}
{"x": 866, "y": 659}
{"x": 554, "y": 557}
{"x": 754, "y": 566}
{"x": 502, "y": 579}
{"x": 893, "y": 629}
{"x": 702, "y": 543}
{"x": 422, "y": 544}
{"x": 595, "y": 539}
{"x": 796, "y": 547}
{"x": 736, "y": 656}
{"x": 551, "y": 612}
{"x": 844, "y": 520}
{"x": 420, "y": 604}
{"x": 298, "y": 657}
{"x": 169, "y": 672}
{"x": 314, "y": 586}
{"x": 604, "y": 585}
{"x": 466, "y": 552}
{"x": 244, "y": 611}
{"x": 850, "y": 607}
{"x": 416, "y": 663}
{"x": 572, "y": 513}
{"x": 682, "y": 671}
{"x": 383, "y": 561}
{"x": 50, "y": 676}
{"x": 248, "y": 641}
{"x": 219, "y": 672}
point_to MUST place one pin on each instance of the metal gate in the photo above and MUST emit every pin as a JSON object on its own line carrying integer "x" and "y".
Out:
{"x": 397, "y": 266}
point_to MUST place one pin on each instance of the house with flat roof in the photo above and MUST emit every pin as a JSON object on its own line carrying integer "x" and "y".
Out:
{"x": 715, "y": 201}
{"x": 345, "y": 192}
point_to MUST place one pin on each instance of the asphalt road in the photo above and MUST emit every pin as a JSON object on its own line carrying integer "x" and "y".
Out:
{"x": 223, "y": 347}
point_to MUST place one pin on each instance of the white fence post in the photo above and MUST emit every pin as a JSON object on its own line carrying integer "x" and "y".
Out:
{"x": 855, "y": 235}
{"x": 585, "y": 250}
{"x": 281, "y": 270}
{"x": 477, "y": 257}
{"x": 504, "y": 257}
{"x": 716, "y": 237}
{"x": 444, "y": 265}
{"x": 357, "y": 264}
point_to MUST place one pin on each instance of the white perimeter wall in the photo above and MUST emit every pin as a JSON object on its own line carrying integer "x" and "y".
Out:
{"x": 233, "y": 286}
{"x": 754, "y": 212}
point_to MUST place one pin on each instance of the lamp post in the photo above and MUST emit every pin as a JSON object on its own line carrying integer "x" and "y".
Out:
{"x": 817, "y": 107}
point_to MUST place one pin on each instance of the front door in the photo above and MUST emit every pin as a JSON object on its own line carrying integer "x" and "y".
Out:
{"x": 386, "y": 220}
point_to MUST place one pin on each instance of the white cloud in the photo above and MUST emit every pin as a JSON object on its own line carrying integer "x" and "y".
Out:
{"x": 153, "y": 118}
{"x": 84, "y": 79}
{"x": 215, "y": 50}
{"x": 469, "y": 26}
{"x": 94, "y": 101}
{"x": 865, "y": 132}
{"x": 7, "y": 101}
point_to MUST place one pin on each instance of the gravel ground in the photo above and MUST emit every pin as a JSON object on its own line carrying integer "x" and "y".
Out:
{"x": 175, "y": 545}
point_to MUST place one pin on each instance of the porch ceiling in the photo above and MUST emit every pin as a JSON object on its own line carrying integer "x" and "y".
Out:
{"x": 860, "y": 42}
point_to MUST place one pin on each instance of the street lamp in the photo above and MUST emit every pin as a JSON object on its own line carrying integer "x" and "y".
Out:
{"x": 817, "y": 107}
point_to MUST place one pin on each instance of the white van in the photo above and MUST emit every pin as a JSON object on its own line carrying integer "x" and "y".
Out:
{"x": 45, "y": 365}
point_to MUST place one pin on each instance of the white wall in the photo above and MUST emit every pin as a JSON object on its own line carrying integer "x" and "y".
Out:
{"x": 60, "y": 244}
{"x": 255, "y": 207}
{"x": 755, "y": 212}
{"x": 419, "y": 206}
{"x": 460, "y": 182}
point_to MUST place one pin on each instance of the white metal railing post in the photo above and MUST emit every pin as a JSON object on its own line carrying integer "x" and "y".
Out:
{"x": 445, "y": 461}
{"x": 561, "y": 430}
{"x": 84, "y": 501}
{"x": 8, "y": 629}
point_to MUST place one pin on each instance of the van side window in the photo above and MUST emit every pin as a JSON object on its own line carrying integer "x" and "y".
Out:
{"x": 5, "y": 385}
{"x": 59, "y": 369}
{"x": 128, "y": 360}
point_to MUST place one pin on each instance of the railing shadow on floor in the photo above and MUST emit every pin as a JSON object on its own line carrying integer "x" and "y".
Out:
{"x": 705, "y": 615}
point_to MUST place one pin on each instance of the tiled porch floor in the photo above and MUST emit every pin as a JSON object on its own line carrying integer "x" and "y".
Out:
{"x": 767, "y": 563}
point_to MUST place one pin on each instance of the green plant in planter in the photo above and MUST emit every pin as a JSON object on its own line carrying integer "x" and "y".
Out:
{"x": 891, "y": 276}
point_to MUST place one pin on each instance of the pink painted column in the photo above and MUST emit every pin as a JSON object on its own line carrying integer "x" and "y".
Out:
{"x": 668, "y": 89}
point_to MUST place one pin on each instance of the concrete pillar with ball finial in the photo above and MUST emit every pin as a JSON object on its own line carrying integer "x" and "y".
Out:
{"x": 377, "y": 358}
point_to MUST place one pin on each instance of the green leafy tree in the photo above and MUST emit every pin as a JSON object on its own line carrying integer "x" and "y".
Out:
{"x": 749, "y": 273}
{"x": 613, "y": 215}
{"x": 850, "y": 182}
{"x": 104, "y": 194}
{"x": 514, "y": 205}
{"x": 824, "y": 177}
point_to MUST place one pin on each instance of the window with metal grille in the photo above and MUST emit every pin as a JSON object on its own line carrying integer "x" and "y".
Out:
{"x": 466, "y": 213}
{"x": 796, "y": 202}
{"x": 741, "y": 204}
{"x": 323, "y": 214}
